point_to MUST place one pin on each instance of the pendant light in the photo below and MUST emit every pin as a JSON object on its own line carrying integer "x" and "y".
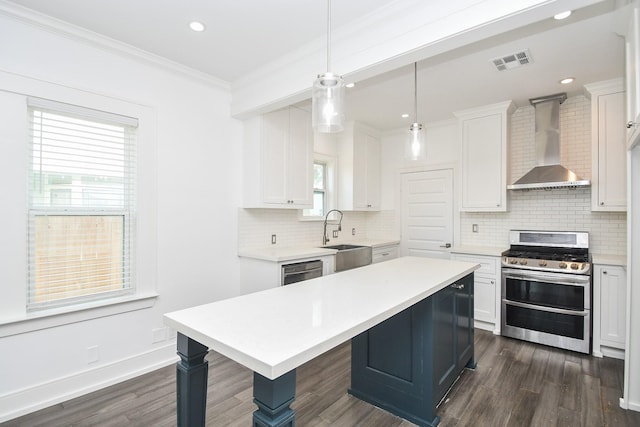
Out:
{"x": 415, "y": 145}
{"x": 327, "y": 94}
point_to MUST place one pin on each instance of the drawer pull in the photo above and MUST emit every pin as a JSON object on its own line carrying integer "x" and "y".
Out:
{"x": 458, "y": 286}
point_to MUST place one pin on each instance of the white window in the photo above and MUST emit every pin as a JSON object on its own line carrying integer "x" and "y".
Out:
{"x": 82, "y": 199}
{"x": 324, "y": 194}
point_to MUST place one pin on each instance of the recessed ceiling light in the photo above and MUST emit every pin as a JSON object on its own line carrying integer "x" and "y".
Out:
{"x": 562, "y": 15}
{"x": 405, "y": 115}
{"x": 350, "y": 85}
{"x": 567, "y": 80}
{"x": 197, "y": 26}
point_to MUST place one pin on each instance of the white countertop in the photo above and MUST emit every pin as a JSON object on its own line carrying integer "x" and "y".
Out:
{"x": 605, "y": 259}
{"x": 274, "y": 331}
{"x": 289, "y": 253}
{"x": 479, "y": 250}
{"x": 285, "y": 253}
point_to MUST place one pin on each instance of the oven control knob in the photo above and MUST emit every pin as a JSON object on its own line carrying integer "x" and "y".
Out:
{"x": 574, "y": 266}
{"x": 523, "y": 262}
{"x": 562, "y": 265}
{"x": 514, "y": 261}
{"x": 542, "y": 263}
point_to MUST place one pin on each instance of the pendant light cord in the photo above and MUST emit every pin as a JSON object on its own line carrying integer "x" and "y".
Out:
{"x": 415, "y": 91}
{"x": 328, "y": 35}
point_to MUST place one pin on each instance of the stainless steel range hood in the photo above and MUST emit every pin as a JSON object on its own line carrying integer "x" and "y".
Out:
{"x": 548, "y": 173}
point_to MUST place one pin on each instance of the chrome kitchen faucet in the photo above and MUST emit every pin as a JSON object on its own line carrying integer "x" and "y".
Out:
{"x": 325, "y": 239}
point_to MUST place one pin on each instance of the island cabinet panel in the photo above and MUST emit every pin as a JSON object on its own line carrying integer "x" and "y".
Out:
{"x": 406, "y": 364}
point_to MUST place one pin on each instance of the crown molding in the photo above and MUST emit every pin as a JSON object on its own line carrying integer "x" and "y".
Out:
{"x": 82, "y": 35}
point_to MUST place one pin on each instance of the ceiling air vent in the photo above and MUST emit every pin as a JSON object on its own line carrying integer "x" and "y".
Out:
{"x": 513, "y": 60}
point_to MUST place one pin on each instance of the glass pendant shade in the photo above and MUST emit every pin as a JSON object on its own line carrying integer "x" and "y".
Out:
{"x": 415, "y": 144}
{"x": 328, "y": 103}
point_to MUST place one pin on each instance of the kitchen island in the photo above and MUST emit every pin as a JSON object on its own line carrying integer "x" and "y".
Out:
{"x": 274, "y": 331}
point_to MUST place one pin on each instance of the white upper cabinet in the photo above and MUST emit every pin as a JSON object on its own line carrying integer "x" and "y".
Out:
{"x": 278, "y": 160}
{"x": 632, "y": 54}
{"x": 359, "y": 168}
{"x": 484, "y": 135}
{"x": 609, "y": 152}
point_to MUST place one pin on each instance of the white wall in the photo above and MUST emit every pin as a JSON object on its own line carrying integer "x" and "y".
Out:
{"x": 632, "y": 362}
{"x": 198, "y": 193}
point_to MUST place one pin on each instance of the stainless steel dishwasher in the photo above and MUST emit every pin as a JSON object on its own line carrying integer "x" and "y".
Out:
{"x": 299, "y": 271}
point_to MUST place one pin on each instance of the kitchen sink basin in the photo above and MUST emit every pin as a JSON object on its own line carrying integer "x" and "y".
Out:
{"x": 351, "y": 256}
{"x": 344, "y": 247}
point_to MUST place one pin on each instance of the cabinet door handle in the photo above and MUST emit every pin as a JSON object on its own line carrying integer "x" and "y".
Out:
{"x": 493, "y": 282}
{"x": 604, "y": 272}
{"x": 446, "y": 245}
{"x": 601, "y": 203}
{"x": 458, "y": 286}
{"x": 631, "y": 124}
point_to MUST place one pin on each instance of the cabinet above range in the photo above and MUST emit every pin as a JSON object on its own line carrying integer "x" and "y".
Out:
{"x": 278, "y": 160}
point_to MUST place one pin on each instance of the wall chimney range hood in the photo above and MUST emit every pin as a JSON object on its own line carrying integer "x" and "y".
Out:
{"x": 548, "y": 173}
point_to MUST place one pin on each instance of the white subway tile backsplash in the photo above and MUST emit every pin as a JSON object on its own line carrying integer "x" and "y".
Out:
{"x": 255, "y": 227}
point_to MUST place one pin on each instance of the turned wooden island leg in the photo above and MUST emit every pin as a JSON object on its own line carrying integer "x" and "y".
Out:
{"x": 191, "y": 382}
{"x": 273, "y": 398}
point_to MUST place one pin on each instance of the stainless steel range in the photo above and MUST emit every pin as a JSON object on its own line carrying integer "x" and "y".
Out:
{"x": 546, "y": 289}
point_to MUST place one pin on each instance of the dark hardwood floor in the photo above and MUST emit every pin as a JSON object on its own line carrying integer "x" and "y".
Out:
{"x": 515, "y": 384}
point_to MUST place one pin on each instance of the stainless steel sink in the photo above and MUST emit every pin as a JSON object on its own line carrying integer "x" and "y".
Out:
{"x": 351, "y": 256}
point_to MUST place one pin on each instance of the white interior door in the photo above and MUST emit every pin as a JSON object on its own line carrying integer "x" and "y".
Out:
{"x": 427, "y": 213}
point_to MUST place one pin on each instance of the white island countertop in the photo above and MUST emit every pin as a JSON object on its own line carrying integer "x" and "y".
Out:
{"x": 274, "y": 331}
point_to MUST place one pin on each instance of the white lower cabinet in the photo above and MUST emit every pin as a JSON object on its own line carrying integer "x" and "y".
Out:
{"x": 486, "y": 297}
{"x": 384, "y": 253}
{"x": 609, "y": 310}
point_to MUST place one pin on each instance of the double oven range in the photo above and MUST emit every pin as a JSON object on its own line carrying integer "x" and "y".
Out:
{"x": 546, "y": 289}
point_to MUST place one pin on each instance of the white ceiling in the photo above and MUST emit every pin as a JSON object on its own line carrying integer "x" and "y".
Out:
{"x": 242, "y": 35}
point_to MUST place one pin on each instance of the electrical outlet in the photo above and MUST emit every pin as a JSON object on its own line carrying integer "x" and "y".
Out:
{"x": 353, "y": 231}
{"x": 93, "y": 354}
{"x": 273, "y": 239}
{"x": 335, "y": 234}
{"x": 474, "y": 228}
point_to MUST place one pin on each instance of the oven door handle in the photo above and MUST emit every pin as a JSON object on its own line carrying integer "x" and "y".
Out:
{"x": 548, "y": 309}
{"x": 541, "y": 277}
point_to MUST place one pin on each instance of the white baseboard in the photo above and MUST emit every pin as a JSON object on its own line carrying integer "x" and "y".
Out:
{"x": 31, "y": 399}
{"x": 486, "y": 326}
{"x": 629, "y": 405}
{"x": 613, "y": 353}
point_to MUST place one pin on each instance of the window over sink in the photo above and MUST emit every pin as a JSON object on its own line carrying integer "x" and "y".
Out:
{"x": 324, "y": 188}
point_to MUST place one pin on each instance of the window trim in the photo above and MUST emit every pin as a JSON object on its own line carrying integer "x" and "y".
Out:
{"x": 13, "y": 100}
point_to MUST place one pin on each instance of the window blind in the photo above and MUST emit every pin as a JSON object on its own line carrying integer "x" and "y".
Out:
{"x": 82, "y": 198}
